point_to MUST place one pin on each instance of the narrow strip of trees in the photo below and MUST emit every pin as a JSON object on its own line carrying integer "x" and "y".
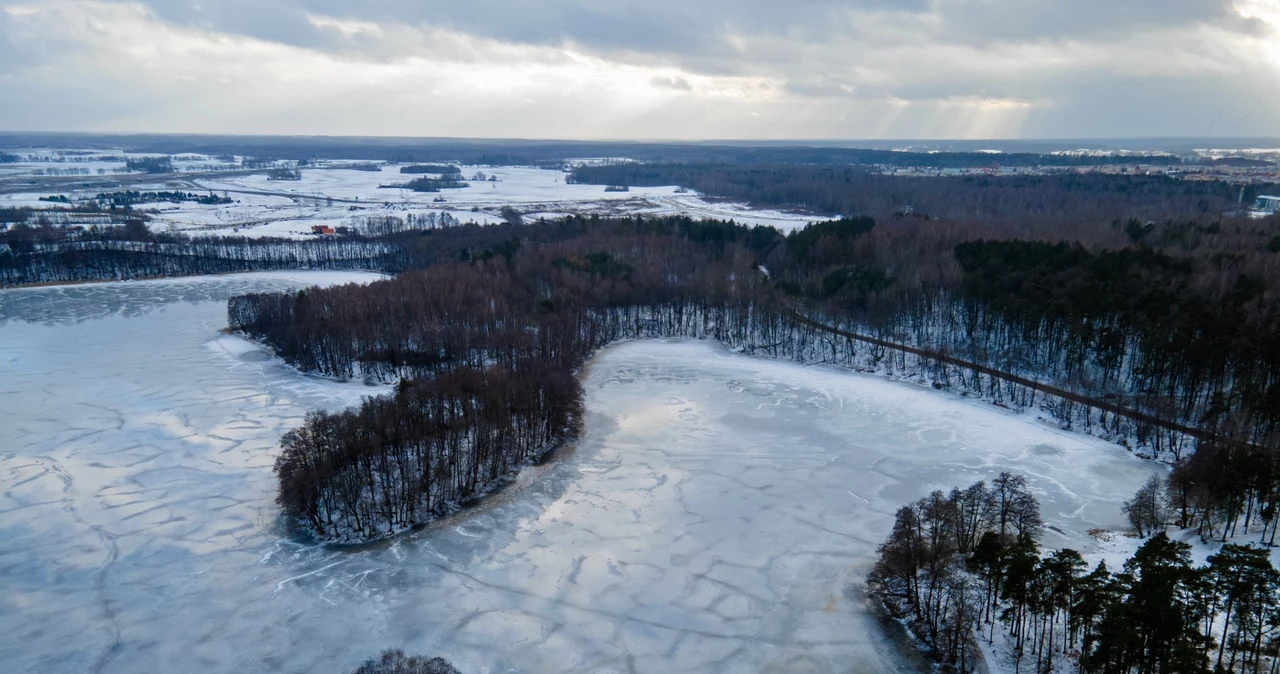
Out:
{"x": 54, "y": 254}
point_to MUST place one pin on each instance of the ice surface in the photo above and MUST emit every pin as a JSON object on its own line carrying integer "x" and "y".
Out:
{"x": 717, "y": 516}
{"x": 77, "y": 302}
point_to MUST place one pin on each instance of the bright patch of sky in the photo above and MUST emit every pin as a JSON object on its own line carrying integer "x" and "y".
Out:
{"x": 660, "y": 69}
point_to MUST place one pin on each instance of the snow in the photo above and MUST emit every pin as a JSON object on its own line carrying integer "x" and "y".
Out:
{"x": 718, "y": 515}
{"x": 1115, "y": 548}
{"x": 39, "y": 161}
{"x": 532, "y": 191}
{"x": 335, "y": 196}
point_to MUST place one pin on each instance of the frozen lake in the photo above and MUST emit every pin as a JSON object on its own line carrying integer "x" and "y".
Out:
{"x": 717, "y": 516}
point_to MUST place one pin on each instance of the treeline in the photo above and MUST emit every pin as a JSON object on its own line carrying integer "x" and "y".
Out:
{"x": 1132, "y": 324}
{"x": 387, "y": 225}
{"x": 955, "y": 568}
{"x": 587, "y": 281}
{"x": 1223, "y": 491}
{"x": 442, "y": 169}
{"x": 135, "y": 197}
{"x": 532, "y": 152}
{"x": 396, "y": 662}
{"x": 69, "y": 216}
{"x": 990, "y": 200}
{"x": 49, "y": 254}
{"x": 284, "y": 174}
{"x": 425, "y": 184}
{"x": 155, "y": 165}
{"x": 67, "y": 172}
{"x": 87, "y": 243}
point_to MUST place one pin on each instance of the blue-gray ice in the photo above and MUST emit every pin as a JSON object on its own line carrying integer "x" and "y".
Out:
{"x": 718, "y": 515}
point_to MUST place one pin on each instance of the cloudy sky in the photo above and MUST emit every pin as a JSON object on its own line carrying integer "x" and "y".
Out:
{"x": 648, "y": 69}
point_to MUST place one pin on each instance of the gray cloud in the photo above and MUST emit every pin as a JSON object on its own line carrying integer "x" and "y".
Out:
{"x": 662, "y": 68}
{"x": 681, "y": 27}
{"x": 677, "y": 83}
{"x": 1023, "y": 20}
{"x": 668, "y": 27}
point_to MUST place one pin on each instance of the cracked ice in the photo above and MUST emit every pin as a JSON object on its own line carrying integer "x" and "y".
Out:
{"x": 718, "y": 515}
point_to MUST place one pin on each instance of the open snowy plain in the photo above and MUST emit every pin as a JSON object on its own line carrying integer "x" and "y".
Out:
{"x": 718, "y": 515}
{"x": 333, "y": 195}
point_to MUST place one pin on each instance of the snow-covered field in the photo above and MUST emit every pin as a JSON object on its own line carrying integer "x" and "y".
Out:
{"x": 94, "y": 163}
{"x": 335, "y": 196}
{"x": 718, "y": 515}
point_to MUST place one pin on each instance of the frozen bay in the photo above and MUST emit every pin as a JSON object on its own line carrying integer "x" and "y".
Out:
{"x": 718, "y": 514}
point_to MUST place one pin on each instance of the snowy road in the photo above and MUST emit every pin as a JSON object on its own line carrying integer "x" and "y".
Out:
{"x": 717, "y": 516}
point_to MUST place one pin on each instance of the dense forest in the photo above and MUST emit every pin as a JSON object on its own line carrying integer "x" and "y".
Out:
{"x": 957, "y": 565}
{"x": 1134, "y": 340}
{"x": 1021, "y": 201}
{"x": 444, "y": 182}
{"x": 1134, "y": 288}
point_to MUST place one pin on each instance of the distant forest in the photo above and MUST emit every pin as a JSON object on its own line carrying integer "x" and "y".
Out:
{"x": 151, "y": 165}
{"x": 1074, "y": 200}
{"x": 135, "y": 197}
{"x": 441, "y": 169}
{"x": 425, "y": 184}
{"x": 554, "y": 153}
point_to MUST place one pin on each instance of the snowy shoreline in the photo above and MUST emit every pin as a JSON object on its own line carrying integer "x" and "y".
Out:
{"x": 912, "y": 372}
{"x": 357, "y": 276}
